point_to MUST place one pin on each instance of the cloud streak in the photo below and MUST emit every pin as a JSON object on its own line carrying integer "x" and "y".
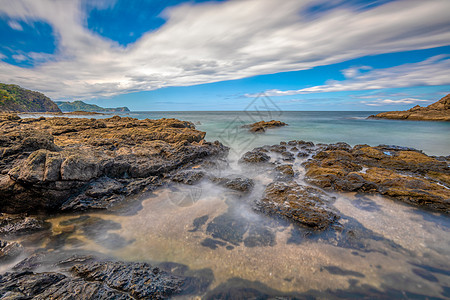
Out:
{"x": 431, "y": 72}
{"x": 214, "y": 42}
{"x": 382, "y": 102}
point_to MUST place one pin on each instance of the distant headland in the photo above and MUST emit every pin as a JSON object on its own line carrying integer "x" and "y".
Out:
{"x": 438, "y": 111}
{"x": 14, "y": 98}
{"x": 67, "y": 106}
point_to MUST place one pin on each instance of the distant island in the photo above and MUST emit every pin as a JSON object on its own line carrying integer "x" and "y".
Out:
{"x": 67, "y": 106}
{"x": 438, "y": 111}
{"x": 14, "y": 98}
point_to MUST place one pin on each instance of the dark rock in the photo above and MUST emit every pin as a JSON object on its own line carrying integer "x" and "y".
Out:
{"x": 14, "y": 225}
{"x": 58, "y": 164}
{"x": 188, "y": 177}
{"x": 300, "y": 204}
{"x": 239, "y": 184}
{"x": 93, "y": 280}
{"x": 212, "y": 244}
{"x": 398, "y": 172}
{"x": 228, "y": 228}
{"x": 9, "y": 251}
{"x": 199, "y": 222}
{"x": 284, "y": 172}
{"x": 255, "y": 157}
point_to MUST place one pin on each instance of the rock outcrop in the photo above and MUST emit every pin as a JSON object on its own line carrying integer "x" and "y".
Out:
{"x": 74, "y": 164}
{"x": 263, "y": 125}
{"x": 438, "y": 111}
{"x": 401, "y": 173}
{"x": 303, "y": 205}
{"x": 92, "y": 280}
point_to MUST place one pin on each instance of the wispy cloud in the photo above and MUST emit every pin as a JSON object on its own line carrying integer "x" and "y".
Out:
{"x": 433, "y": 71}
{"x": 15, "y": 25}
{"x": 382, "y": 102}
{"x": 213, "y": 42}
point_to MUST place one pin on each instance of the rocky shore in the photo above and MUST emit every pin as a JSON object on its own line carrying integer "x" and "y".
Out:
{"x": 438, "y": 111}
{"x": 62, "y": 164}
{"x": 400, "y": 173}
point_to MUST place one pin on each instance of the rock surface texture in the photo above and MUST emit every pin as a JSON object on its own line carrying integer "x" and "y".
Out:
{"x": 400, "y": 173}
{"x": 92, "y": 280}
{"x": 263, "y": 125}
{"x": 51, "y": 164}
{"x": 438, "y": 111}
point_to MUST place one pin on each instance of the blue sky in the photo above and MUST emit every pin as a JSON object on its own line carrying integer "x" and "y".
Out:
{"x": 220, "y": 54}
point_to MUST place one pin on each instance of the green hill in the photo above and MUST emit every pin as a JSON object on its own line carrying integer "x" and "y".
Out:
{"x": 81, "y": 106}
{"x": 14, "y": 98}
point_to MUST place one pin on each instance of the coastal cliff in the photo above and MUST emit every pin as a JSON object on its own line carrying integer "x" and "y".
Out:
{"x": 438, "y": 111}
{"x": 14, "y": 98}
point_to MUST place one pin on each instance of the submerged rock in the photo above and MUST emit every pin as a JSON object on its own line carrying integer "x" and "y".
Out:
{"x": 77, "y": 163}
{"x": 302, "y": 205}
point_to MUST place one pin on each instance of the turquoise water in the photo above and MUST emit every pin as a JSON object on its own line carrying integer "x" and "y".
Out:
{"x": 351, "y": 127}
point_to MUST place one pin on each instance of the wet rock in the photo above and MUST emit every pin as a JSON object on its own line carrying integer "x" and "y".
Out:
{"x": 14, "y": 225}
{"x": 287, "y": 156}
{"x": 188, "y": 177}
{"x": 239, "y": 184}
{"x": 255, "y": 157}
{"x": 284, "y": 172}
{"x": 302, "y": 205}
{"x": 93, "y": 280}
{"x": 263, "y": 125}
{"x": 77, "y": 164}
{"x": 9, "y": 251}
{"x": 401, "y": 173}
{"x": 139, "y": 280}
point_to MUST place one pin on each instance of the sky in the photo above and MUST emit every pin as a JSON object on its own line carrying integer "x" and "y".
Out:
{"x": 186, "y": 55}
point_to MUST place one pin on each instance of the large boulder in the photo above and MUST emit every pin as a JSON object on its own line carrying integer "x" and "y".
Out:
{"x": 302, "y": 205}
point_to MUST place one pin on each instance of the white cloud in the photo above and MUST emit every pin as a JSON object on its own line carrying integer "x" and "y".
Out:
{"x": 433, "y": 71}
{"x": 212, "y": 42}
{"x": 15, "y": 25}
{"x": 19, "y": 57}
{"x": 382, "y": 102}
